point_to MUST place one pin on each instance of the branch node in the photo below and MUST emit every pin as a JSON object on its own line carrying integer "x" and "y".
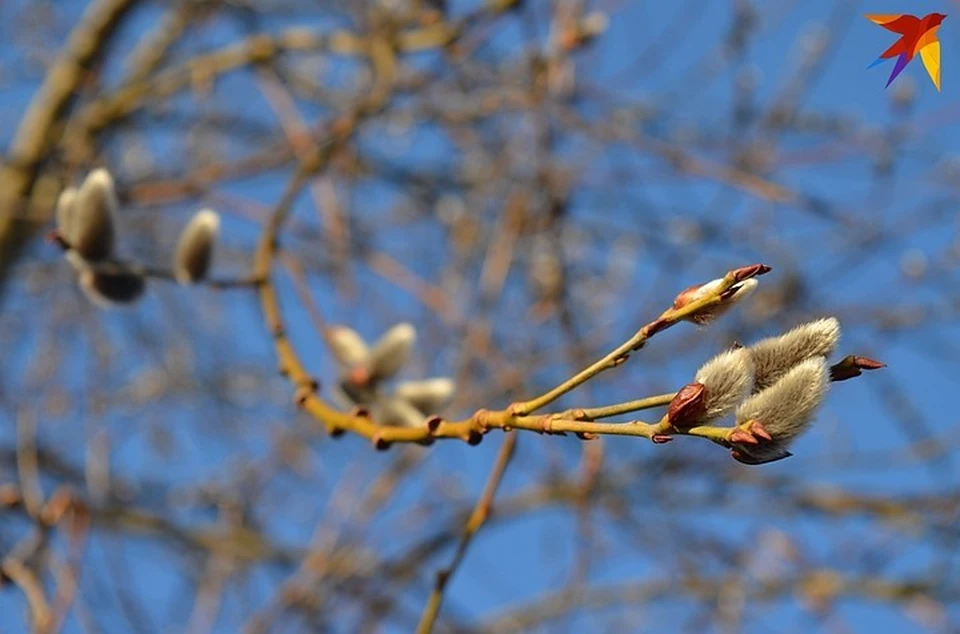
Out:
{"x": 688, "y": 405}
{"x": 309, "y": 383}
{"x": 301, "y": 395}
{"x": 653, "y": 328}
{"x": 433, "y": 423}
{"x": 56, "y": 506}
{"x": 481, "y": 418}
{"x": 546, "y": 425}
{"x": 442, "y": 577}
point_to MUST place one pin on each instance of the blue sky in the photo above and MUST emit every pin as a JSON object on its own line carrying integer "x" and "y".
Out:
{"x": 669, "y": 57}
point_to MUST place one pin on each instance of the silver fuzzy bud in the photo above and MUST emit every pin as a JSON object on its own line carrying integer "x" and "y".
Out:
{"x": 727, "y": 380}
{"x": 194, "y": 253}
{"x": 89, "y": 216}
{"x": 64, "y": 213}
{"x": 786, "y": 408}
{"x": 391, "y": 410}
{"x": 347, "y": 346}
{"x": 734, "y": 294}
{"x": 429, "y": 395}
{"x": 775, "y": 356}
{"x": 391, "y": 351}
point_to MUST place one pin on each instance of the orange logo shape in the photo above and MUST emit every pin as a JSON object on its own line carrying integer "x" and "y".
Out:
{"x": 917, "y": 35}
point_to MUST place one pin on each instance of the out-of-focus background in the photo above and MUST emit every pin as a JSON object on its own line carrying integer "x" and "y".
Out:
{"x": 538, "y": 179}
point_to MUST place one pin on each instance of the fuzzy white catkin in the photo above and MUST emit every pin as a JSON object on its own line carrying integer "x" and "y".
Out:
{"x": 391, "y": 410}
{"x": 64, "y": 213}
{"x": 703, "y": 317}
{"x": 775, "y": 356}
{"x": 429, "y": 395}
{"x": 786, "y": 408}
{"x": 727, "y": 379}
{"x": 347, "y": 346}
{"x": 194, "y": 253}
{"x": 90, "y": 218}
{"x": 391, "y": 351}
{"x": 594, "y": 24}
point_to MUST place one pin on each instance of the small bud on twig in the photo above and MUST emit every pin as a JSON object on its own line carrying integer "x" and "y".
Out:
{"x": 688, "y": 405}
{"x": 742, "y": 436}
{"x": 301, "y": 394}
{"x": 728, "y": 298}
{"x": 852, "y": 366}
{"x": 748, "y": 272}
{"x": 433, "y": 423}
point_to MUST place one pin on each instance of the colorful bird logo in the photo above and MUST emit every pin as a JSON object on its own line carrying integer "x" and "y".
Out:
{"x": 917, "y": 35}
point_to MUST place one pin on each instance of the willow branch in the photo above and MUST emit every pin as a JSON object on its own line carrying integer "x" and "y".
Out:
{"x": 593, "y": 413}
{"x": 218, "y": 283}
{"x": 258, "y": 49}
{"x": 33, "y": 137}
{"x": 669, "y": 318}
{"x": 472, "y": 429}
{"x": 477, "y": 518}
{"x": 155, "y": 273}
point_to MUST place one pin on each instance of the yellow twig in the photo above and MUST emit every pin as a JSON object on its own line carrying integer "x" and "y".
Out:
{"x": 667, "y": 319}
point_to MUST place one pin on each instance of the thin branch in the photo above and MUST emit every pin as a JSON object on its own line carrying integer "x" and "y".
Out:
{"x": 669, "y": 318}
{"x": 470, "y": 430}
{"x": 593, "y": 413}
{"x": 477, "y": 518}
{"x": 27, "y": 467}
{"x": 218, "y": 283}
{"x": 15, "y": 568}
